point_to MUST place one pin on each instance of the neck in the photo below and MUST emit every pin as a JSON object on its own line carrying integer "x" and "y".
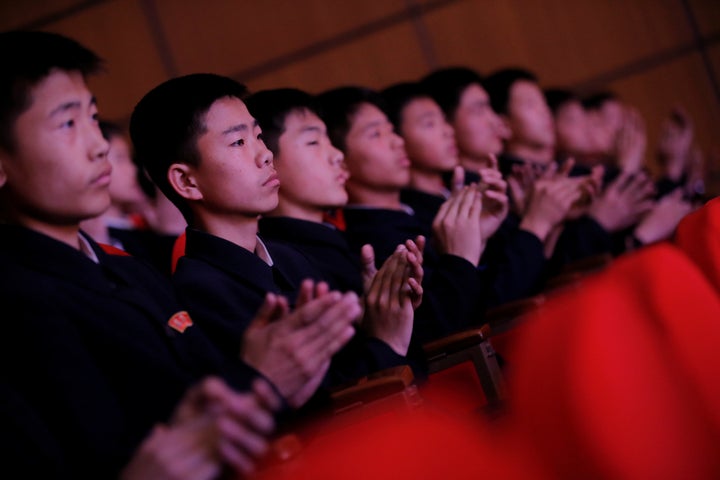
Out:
{"x": 371, "y": 197}
{"x": 67, "y": 234}
{"x": 240, "y": 230}
{"x": 473, "y": 163}
{"x": 287, "y": 209}
{"x": 96, "y": 228}
{"x": 427, "y": 181}
{"x": 166, "y": 218}
{"x": 532, "y": 153}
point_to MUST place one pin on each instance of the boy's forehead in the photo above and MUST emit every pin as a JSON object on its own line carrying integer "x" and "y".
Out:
{"x": 227, "y": 113}
{"x": 301, "y": 118}
{"x": 365, "y": 113}
{"x": 58, "y": 85}
{"x": 422, "y": 103}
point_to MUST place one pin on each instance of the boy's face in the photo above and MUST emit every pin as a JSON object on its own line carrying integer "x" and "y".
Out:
{"x": 236, "y": 173}
{"x": 374, "y": 153}
{"x": 125, "y": 189}
{"x": 478, "y": 129}
{"x": 572, "y": 128}
{"x": 429, "y": 138}
{"x": 529, "y": 116}
{"x": 606, "y": 123}
{"x": 311, "y": 169}
{"x": 59, "y": 173}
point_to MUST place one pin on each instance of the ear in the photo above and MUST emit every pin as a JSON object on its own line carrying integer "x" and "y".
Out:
{"x": 182, "y": 180}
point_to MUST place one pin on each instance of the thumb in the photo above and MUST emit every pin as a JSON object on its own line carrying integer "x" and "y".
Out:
{"x": 267, "y": 311}
{"x": 552, "y": 170}
{"x": 493, "y": 161}
{"x": 367, "y": 254}
{"x": 458, "y": 179}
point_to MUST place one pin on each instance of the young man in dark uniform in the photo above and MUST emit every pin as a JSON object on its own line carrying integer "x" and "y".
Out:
{"x": 312, "y": 176}
{"x": 203, "y": 149}
{"x": 97, "y": 348}
{"x": 379, "y": 170}
{"x": 513, "y": 259}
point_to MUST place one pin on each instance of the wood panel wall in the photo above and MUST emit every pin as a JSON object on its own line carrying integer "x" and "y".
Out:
{"x": 653, "y": 53}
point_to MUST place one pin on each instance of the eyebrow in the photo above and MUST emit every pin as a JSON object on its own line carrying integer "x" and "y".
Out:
{"x": 428, "y": 115}
{"x": 375, "y": 124}
{"x": 311, "y": 128}
{"x": 243, "y": 127}
{"x": 75, "y": 104}
{"x": 482, "y": 102}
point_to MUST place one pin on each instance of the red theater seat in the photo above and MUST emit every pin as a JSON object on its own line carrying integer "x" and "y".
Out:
{"x": 698, "y": 235}
{"x": 619, "y": 379}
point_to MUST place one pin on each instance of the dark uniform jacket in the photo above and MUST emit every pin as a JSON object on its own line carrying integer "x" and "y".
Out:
{"x": 452, "y": 285}
{"x": 91, "y": 348}
{"x": 223, "y": 285}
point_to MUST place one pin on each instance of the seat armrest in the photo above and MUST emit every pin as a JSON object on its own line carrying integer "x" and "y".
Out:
{"x": 372, "y": 387}
{"x": 455, "y": 342}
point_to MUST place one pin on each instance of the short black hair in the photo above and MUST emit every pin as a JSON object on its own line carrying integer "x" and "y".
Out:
{"x": 271, "y": 108}
{"x": 557, "y": 97}
{"x": 27, "y": 58}
{"x": 596, "y": 100}
{"x": 499, "y": 83}
{"x": 446, "y": 86}
{"x": 398, "y": 96}
{"x": 167, "y": 121}
{"x": 110, "y": 130}
{"x": 338, "y": 105}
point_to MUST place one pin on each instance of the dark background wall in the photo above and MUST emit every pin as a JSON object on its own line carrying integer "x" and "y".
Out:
{"x": 654, "y": 53}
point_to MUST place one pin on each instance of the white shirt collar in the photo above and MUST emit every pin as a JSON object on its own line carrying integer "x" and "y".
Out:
{"x": 262, "y": 252}
{"x": 87, "y": 249}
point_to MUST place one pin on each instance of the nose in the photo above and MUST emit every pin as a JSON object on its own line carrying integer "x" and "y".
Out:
{"x": 397, "y": 140}
{"x": 449, "y": 130}
{"x": 98, "y": 146}
{"x": 264, "y": 156}
{"x": 501, "y": 128}
{"x": 336, "y": 157}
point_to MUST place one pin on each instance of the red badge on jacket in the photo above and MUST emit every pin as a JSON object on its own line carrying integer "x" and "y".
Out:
{"x": 180, "y": 321}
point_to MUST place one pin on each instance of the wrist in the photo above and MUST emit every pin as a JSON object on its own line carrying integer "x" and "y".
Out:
{"x": 539, "y": 228}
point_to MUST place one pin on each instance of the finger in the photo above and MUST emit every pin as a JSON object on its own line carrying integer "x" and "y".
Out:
{"x": 267, "y": 311}
{"x": 319, "y": 346}
{"x": 265, "y": 394}
{"x": 416, "y": 269}
{"x": 307, "y": 313}
{"x": 367, "y": 254}
{"x": 392, "y": 293}
{"x": 493, "y": 180}
{"x": 452, "y": 205}
{"x": 306, "y": 292}
{"x": 303, "y": 393}
{"x": 467, "y": 200}
{"x": 247, "y": 409}
{"x": 566, "y": 167}
{"x": 243, "y": 436}
{"x": 374, "y": 295}
{"x": 621, "y": 183}
{"x": 550, "y": 171}
{"x": 415, "y": 286}
{"x": 238, "y": 459}
{"x": 321, "y": 288}
{"x": 493, "y": 161}
{"x": 458, "y": 179}
{"x": 417, "y": 247}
